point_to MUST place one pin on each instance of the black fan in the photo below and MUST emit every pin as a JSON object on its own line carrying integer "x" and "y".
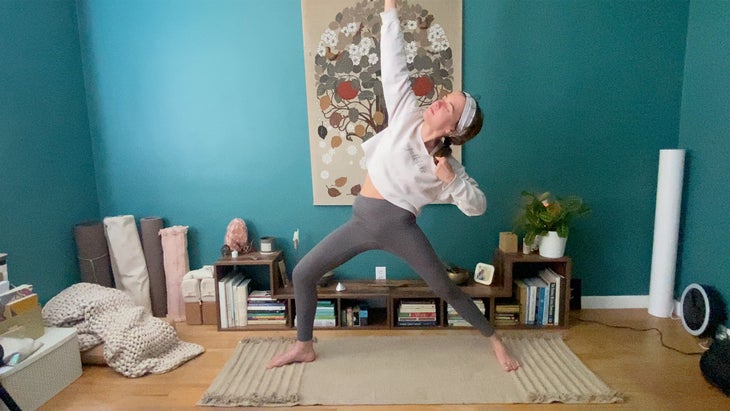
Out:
{"x": 702, "y": 310}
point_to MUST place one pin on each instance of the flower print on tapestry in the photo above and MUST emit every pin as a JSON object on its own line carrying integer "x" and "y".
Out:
{"x": 344, "y": 94}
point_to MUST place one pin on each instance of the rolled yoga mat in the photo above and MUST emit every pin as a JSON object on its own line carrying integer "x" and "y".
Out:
{"x": 128, "y": 263}
{"x": 670, "y": 180}
{"x": 152, "y": 246}
{"x": 93, "y": 254}
{"x": 177, "y": 264}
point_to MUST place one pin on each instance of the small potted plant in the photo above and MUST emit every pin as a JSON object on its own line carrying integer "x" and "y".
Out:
{"x": 547, "y": 219}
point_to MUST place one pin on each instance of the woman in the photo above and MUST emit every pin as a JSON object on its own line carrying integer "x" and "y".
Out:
{"x": 409, "y": 165}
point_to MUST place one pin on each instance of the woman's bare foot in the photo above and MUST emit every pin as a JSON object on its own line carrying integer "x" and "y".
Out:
{"x": 300, "y": 352}
{"x": 505, "y": 359}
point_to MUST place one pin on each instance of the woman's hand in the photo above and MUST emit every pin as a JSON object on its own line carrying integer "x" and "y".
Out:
{"x": 444, "y": 172}
{"x": 389, "y": 4}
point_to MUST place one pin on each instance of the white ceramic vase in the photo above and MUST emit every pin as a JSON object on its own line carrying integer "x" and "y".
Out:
{"x": 552, "y": 245}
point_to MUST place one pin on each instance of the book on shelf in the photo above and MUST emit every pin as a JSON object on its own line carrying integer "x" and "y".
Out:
{"x": 540, "y": 298}
{"x": 417, "y": 317}
{"x": 324, "y": 315}
{"x": 453, "y": 319}
{"x": 506, "y": 323}
{"x": 233, "y": 290}
{"x": 253, "y": 306}
{"x": 536, "y": 300}
{"x": 262, "y": 299}
{"x": 417, "y": 313}
{"x": 325, "y": 322}
{"x": 265, "y": 315}
{"x": 405, "y": 323}
{"x": 507, "y": 318}
{"x": 477, "y": 301}
{"x": 557, "y": 284}
{"x": 507, "y": 308}
{"x": 531, "y": 302}
{"x": 234, "y": 303}
{"x": 262, "y": 309}
{"x": 521, "y": 295}
{"x": 230, "y": 303}
{"x": 260, "y": 295}
{"x": 549, "y": 306}
{"x": 240, "y": 301}
{"x": 268, "y": 322}
{"x": 321, "y": 322}
{"x": 266, "y": 306}
{"x": 223, "y": 300}
{"x": 417, "y": 306}
{"x": 268, "y": 317}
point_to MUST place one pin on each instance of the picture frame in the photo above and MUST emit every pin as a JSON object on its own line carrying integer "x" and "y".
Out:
{"x": 345, "y": 105}
{"x": 484, "y": 273}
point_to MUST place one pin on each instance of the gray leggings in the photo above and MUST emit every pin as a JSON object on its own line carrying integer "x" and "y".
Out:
{"x": 377, "y": 225}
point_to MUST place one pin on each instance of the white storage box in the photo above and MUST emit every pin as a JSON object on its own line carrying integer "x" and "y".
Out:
{"x": 45, "y": 373}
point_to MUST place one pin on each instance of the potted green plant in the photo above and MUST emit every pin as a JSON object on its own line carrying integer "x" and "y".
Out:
{"x": 547, "y": 219}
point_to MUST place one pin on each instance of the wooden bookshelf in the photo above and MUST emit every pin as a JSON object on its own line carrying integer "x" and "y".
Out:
{"x": 519, "y": 265}
{"x": 389, "y": 293}
{"x": 226, "y": 265}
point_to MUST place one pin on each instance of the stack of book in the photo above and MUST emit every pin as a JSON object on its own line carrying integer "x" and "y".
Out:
{"x": 264, "y": 310}
{"x": 324, "y": 316}
{"x": 233, "y": 292}
{"x": 417, "y": 313}
{"x": 455, "y": 320}
{"x": 355, "y": 316}
{"x": 540, "y": 298}
{"x": 506, "y": 314}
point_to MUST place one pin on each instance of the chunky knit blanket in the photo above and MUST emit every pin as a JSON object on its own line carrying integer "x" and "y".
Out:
{"x": 135, "y": 342}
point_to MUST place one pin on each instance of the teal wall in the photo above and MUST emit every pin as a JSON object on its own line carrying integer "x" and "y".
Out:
{"x": 197, "y": 112}
{"x": 704, "y": 132}
{"x": 46, "y": 169}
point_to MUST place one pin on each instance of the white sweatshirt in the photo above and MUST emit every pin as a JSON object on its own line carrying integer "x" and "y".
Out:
{"x": 398, "y": 163}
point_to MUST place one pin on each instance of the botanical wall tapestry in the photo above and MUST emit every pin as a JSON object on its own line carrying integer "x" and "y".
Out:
{"x": 344, "y": 94}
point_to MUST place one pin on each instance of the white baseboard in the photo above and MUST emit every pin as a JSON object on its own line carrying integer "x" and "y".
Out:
{"x": 614, "y": 301}
{"x": 621, "y": 301}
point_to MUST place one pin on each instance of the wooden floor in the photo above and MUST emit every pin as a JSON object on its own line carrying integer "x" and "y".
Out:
{"x": 650, "y": 376}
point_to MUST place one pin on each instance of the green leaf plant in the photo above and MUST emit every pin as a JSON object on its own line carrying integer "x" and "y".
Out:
{"x": 543, "y": 212}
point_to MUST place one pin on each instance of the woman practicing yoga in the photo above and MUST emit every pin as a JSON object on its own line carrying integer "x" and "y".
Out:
{"x": 409, "y": 165}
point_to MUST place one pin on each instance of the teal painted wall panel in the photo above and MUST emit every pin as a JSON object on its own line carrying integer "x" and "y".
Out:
{"x": 198, "y": 114}
{"x": 46, "y": 168}
{"x": 704, "y": 132}
{"x": 581, "y": 97}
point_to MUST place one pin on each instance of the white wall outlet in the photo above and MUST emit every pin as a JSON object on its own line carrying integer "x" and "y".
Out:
{"x": 380, "y": 273}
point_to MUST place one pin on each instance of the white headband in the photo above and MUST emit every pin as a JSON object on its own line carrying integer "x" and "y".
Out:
{"x": 470, "y": 109}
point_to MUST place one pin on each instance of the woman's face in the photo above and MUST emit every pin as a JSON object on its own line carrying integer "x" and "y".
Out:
{"x": 444, "y": 114}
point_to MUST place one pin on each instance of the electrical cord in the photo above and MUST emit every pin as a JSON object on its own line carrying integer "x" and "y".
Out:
{"x": 626, "y": 327}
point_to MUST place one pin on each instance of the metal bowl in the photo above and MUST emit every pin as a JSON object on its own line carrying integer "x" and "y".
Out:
{"x": 458, "y": 275}
{"x": 326, "y": 278}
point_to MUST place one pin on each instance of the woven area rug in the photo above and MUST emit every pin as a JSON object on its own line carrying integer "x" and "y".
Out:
{"x": 378, "y": 370}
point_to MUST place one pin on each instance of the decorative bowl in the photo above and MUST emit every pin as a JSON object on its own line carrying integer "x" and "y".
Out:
{"x": 326, "y": 278}
{"x": 458, "y": 275}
